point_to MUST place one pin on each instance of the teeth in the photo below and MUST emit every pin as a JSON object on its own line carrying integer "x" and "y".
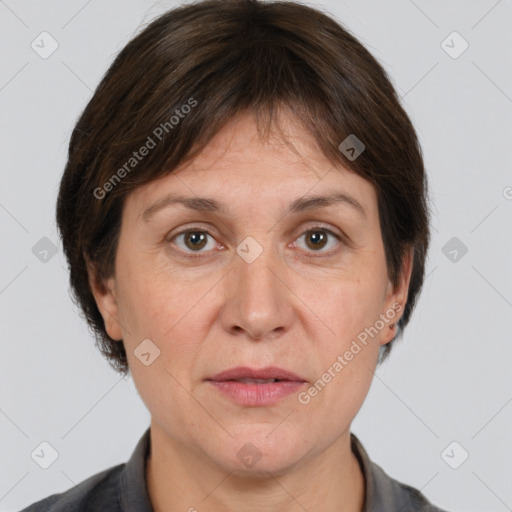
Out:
{"x": 256, "y": 381}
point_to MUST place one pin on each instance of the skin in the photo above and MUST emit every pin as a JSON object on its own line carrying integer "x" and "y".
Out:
{"x": 294, "y": 307}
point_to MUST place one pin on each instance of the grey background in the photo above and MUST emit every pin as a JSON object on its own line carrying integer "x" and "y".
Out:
{"x": 449, "y": 378}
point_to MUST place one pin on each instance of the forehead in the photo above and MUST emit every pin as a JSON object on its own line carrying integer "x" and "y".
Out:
{"x": 240, "y": 167}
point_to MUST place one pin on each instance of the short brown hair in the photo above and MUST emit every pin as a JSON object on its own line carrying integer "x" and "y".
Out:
{"x": 224, "y": 58}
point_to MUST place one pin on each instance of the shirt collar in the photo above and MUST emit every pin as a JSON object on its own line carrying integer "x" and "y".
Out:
{"x": 134, "y": 496}
{"x": 367, "y": 468}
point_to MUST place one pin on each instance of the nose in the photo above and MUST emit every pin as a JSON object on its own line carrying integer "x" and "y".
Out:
{"x": 259, "y": 301}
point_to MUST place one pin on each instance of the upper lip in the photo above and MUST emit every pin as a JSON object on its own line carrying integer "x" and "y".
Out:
{"x": 244, "y": 372}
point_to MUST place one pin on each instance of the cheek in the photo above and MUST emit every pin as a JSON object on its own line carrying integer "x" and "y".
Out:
{"x": 348, "y": 353}
{"x": 168, "y": 311}
{"x": 347, "y": 358}
{"x": 151, "y": 300}
{"x": 164, "y": 310}
{"x": 346, "y": 307}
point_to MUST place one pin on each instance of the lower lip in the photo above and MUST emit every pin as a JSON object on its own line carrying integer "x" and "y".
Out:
{"x": 257, "y": 394}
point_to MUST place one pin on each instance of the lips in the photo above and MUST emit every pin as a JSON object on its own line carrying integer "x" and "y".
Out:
{"x": 256, "y": 388}
{"x": 250, "y": 375}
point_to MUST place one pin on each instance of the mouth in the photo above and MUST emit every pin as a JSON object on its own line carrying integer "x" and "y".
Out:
{"x": 256, "y": 388}
{"x": 255, "y": 381}
{"x": 255, "y": 376}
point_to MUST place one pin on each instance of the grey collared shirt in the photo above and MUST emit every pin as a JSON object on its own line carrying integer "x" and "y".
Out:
{"x": 122, "y": 488}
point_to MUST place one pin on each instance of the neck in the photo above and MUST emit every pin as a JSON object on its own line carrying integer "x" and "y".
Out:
{"x": 179, "y": 480}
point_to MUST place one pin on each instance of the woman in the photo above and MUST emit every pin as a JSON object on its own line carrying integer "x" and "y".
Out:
{"x": 244, "y": 212}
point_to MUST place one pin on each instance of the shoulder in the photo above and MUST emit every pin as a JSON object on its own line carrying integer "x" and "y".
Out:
{"x": 98, "y": 492}
{"x": 392, "y": 494}
{"x": 384, "y": 493}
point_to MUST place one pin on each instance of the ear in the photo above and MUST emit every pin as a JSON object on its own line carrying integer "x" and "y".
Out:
{"x": 396, "y": 298}
{"x": 104, "y": 292}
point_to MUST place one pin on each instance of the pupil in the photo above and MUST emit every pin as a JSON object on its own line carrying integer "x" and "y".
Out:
{"x": 317, "y": 236}
{"x": 195, "y": 237}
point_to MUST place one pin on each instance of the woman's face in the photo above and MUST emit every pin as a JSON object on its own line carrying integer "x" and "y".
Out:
{"x": 253, "y": 283}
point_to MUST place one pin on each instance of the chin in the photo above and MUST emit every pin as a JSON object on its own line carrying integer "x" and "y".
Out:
{"x": 265, "y": 467}
{"x": 256, "y": 453}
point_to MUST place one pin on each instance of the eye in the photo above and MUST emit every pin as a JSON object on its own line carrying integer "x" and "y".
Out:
{"x": 317, "y": 239}
{"x": 194, "y": 240}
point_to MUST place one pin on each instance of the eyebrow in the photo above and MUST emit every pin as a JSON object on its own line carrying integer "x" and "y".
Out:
{"x": 212, "y": 205}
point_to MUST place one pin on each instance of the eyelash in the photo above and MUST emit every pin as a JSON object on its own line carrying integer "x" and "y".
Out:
{"x": 199, "y": 254}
